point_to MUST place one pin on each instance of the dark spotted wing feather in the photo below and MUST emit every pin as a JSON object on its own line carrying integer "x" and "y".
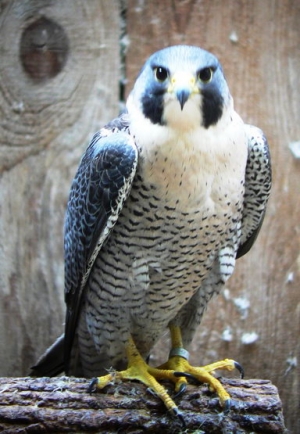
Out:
{"x": 98, "y": 191}
{"x": 258, "y": 181}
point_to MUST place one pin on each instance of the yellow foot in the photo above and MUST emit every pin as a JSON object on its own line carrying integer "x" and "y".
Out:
{"x": 182, "y": 370}
{"x": 139, "y": 370}
{"x": 177, "y": 370}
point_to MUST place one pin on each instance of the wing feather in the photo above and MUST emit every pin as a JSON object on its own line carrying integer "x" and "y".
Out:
{"x": 99, "y": 189}
{"x": 258, "y": 181}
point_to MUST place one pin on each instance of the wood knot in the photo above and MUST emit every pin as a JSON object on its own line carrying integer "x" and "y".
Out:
{"x": 44, "y": 49}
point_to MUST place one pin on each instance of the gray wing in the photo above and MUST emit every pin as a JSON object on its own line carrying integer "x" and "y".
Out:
{"x": 258, "y": 181}
{"x": 99, "y": 189}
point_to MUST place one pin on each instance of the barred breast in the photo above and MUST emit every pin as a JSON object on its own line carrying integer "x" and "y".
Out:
{"x": 184, "y": 208}
{"x": 155, "y": 260}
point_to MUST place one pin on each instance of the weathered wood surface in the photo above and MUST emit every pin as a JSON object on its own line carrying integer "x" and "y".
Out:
{"x": 63, "y": 405}
{"x": 59, "y": 82}
{"x": 47, "y": 119}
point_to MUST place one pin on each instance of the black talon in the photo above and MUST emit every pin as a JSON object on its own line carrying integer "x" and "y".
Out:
{"x": 181, "y": 390}
{"x": 92, "y": 385}
{"x": 239, "y": 368}
{"x": 187, "y": 375}
{"x": 178, "y": 414}
{"x": 227, "y": 406}
{"x": 151, "y": 391}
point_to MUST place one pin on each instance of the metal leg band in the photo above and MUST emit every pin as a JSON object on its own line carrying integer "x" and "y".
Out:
{"x": 181, "y": 352}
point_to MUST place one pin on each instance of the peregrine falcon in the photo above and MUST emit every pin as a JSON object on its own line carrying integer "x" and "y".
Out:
{"x": 166, "y": 198}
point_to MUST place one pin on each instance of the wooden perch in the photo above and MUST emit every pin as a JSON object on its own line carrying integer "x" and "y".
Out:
{"x": 62, "y": 405}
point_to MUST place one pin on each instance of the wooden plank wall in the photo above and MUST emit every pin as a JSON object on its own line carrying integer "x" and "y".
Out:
{"x": 59, "y": 73}
{"x": 47, "y": 115}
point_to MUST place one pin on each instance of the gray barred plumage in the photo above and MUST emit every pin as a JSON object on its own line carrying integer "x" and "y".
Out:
{"x": 165, "y": 199}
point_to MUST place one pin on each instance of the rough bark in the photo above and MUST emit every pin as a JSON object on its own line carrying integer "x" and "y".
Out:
{"x": 62, "y": 404}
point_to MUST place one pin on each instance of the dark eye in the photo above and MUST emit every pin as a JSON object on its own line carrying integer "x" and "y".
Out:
{"x": 161, "y": 74}
{"x": 205, "y": 75}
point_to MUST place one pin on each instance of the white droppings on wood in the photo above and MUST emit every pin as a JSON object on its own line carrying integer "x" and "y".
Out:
{"x": 295, "y": 149}
{"x": 243, "y": 305}
{"x": 233, "y": 37}
{"x": 226, "y": 294}
{"x": 290, "y": 277}
{"x": 249, "y": 338}
{"x": 227, "y": 335}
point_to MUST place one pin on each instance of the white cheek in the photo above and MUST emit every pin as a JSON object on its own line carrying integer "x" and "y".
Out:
{"x": 188, "y": 118}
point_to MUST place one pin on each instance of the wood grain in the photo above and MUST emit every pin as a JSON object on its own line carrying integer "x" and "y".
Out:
{"x": 62, "y": 404}
{"x": 44, "y": 127}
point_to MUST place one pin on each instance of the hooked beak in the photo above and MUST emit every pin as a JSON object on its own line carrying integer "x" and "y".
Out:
{"x": 183, "y": 84}
{"x": 182, "y": 96}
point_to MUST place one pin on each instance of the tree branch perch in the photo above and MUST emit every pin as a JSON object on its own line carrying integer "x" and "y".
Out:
{"x": 62, "y": 405}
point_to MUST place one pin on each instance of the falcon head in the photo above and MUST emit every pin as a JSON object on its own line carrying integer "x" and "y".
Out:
{"x": 181, "y": 84}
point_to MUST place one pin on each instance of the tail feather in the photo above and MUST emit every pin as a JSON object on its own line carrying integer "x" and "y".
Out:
{"x": 51, "y": 363}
